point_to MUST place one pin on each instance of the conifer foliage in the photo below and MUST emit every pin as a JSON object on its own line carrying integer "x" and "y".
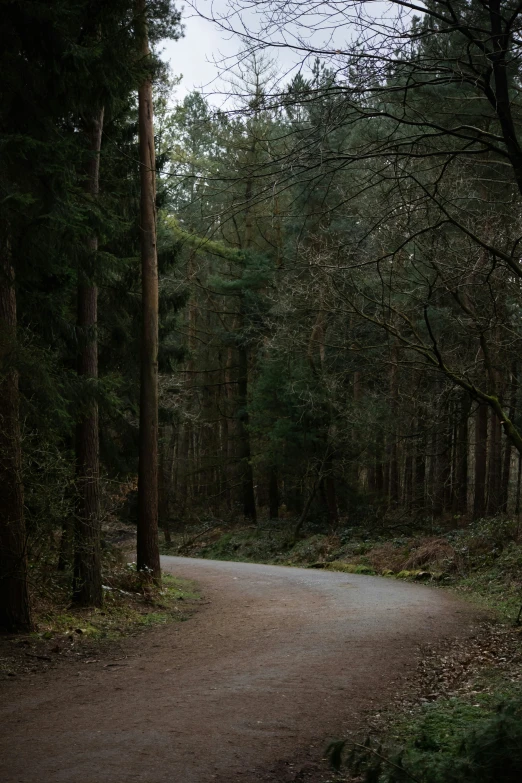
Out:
{"x": 69, "y": 109}
{"x": 325, "y": 324}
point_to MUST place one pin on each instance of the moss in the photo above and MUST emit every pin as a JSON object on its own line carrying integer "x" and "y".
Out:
{"x": 350, "y": 568}
{"x": 122, "y": 613}
{"x": 482, "y": 561}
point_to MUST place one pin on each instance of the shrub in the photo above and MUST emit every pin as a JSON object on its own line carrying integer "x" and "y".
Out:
{"x": 488, "y": 753}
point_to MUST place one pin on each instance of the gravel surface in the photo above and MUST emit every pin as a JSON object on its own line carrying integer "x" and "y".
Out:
{"x": 276, "y": 662}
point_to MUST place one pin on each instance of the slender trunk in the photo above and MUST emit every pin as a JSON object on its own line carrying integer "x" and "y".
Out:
{"x": 451, "y": 500}
{"x": 506, "y": 469}
{"x": 15, "y": 614}
{"x": 87, "y": 583}
{"x": 437, "y": 473}
{"x": 481, "y": 453}
{"x": 506, "y": 473}
{"x": 372, "y": 479}
{"x": 231, "y": 425}
{"x": 331, "y": 501}
{"x": 386, "y": 482}
{"x": 273, "y": 493}
{"x": 420, "y": 476}
{"x": 379, "y": 468}
{"x": 306, "y": 510}
{"x": 247, "y": 476}
{"x": 394, "y": 488}
{"x": 147, "y": 539}
{"x": 408, "y": 482}
{"x": 461, "y": 467}
{"x": 66, "y": 553}
{"x": 245, "y": 456}
{"x": 165, "y": 483}
{"x": 519, "y": 481}
{"x": 495, "y": 465}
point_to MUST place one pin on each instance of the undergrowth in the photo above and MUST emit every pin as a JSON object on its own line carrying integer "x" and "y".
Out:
{"x": 477, "y": 740}
{"x": 481, "y": 560}
{"x": 63, "y": 631}
{"x": 467, "y": 732}
{"x": 126, "y": 608}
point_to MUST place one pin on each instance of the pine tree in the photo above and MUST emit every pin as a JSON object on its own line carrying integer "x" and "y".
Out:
{"x": 148, "y": 548}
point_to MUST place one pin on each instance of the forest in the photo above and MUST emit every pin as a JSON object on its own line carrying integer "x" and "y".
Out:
{"x": 275, "y": 321}
{"x": 325, "y": 323}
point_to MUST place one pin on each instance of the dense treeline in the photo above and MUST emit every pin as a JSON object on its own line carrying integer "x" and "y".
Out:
{"x": 339, "y": 292}
{"x": 69, "y": 286}
{"x": 359, "y": 356}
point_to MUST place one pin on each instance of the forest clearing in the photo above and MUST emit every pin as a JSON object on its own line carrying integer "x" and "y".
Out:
{"x": 260, "y": 399}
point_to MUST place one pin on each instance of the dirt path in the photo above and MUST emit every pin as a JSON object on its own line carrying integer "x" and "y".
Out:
{"x": 277, "y": 661}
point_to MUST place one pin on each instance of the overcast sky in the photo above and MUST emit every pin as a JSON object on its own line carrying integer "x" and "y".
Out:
{"x": 195, "y": 56}
{"x": 206, "y": 48}
{"x": 191, "y": 56}
{"x": 205, "y": 43}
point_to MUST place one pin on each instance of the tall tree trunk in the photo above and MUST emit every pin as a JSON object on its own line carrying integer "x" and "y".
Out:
{"x": 495, "y": 465}
{"x": 394, "y": 487}
{"x": 147, "y": 539}
{"x": 232, "y": 471}
{"x": 379, "y": 468}
{"x": 506, "y": 474}
{"x": 331, "y": 501}
{"x": 481, "y": 453}
{"x": 419, "y": 492}
{"x": 15, "y": 614}
{"x": 87, "y": 585}
{"x": 247, "y": 476}
{"x": 66, "y": 553}
{"x": 407, "y": 496}
{"x": 273, "y": 493}
{"x": 437, "y": 471}
{"x": 165, "y": 481}
{"x": 519, "y": 481}
{"x": 461, "y": 468}
{"x": 506, "y": 468}
{"x": 245, "y": 455}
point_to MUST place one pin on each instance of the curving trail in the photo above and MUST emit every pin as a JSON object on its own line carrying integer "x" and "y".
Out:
{"x": 277, "y": 661}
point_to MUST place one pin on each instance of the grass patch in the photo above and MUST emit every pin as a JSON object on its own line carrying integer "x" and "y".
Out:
{"x": 130, "y": 607}
{"x": 129, "y": 604}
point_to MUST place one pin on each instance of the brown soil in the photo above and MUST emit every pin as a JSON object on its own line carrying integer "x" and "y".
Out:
{"x": 276, "y": 662}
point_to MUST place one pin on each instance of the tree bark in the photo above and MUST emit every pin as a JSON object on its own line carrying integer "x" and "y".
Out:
{"x": 481, "y": 453}
{"x": 519, "y": 481}
{"x": 407, "y": 490}
{"x": 165, "y": 483}
{"x": 394, "y": 480}
{"x": 461, "y": 468}
{"x": 245, "y": 455}
{"x": 87, "y": 583}
{"x": 147, "y": 538}
{"x": 247, "y": 476}
{"x": 506, "y": 468}
{"x": 495, "y": 466}
{"x": 273, "y": 493}
{"x": 15, "y": 613}
{"x": 419, "y": 489}
{"x": 437, "y": 471}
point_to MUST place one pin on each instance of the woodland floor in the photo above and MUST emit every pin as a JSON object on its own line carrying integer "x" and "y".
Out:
{"x": 276, "y": 662}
